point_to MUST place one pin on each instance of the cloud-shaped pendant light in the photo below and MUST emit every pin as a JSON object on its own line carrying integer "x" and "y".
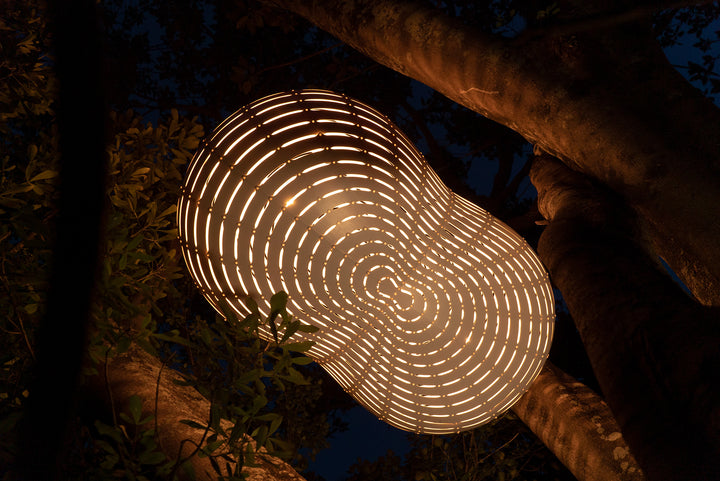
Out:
{"x": 433, "y": 314}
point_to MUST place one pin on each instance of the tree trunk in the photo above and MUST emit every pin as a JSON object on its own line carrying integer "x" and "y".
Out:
{"x": 578, "y": 426}
{"x": 606, "y": 103}
{"x": 138, "y": 373}
{"x": 653, "y": 349}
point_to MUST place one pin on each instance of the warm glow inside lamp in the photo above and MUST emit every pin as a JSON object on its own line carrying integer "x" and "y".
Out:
{"x": 433, "y": 314}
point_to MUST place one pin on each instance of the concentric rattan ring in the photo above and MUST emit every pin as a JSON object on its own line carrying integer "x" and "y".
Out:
{"x": 433, "y": 314}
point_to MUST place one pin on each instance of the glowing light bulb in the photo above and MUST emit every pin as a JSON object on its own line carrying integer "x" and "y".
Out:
{"x": 433, "y": 314}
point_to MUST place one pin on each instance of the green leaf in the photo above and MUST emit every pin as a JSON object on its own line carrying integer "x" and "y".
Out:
{"x": 295, "y": 377}
{"x": 47, "y": 174}
{"x": 261, "y": 436}
{"x": 147, "y": 346}
{"x": 249, "y": 455}
{"x": 251, "y": 322}
{"x": 171, "y": 336}
{"x": 290, "y": 330}
{"x": 308, "y": 328}
{"x": 152, "y": 457}
{"x": 226, "y": 310}
{"x": 237, "y": 431}
{"x": 9, "y": 422}
{"x": 170, "y": 210}
{"x": 215, "y": 417}
{"x": 134, "y": 242}
{"x": 135, "y": 407}
{"x": 213, "y": 445}
{"x": 215, "y": 465}
{"x": 259, "y": 402}
{"x": 273, "y": 327}
{"x": 252, "y": 305}
{"x": 302, "y": 360}
{"x": 299, "y": 346}
{"x": 193, "y": 424}
{"x": 180, "y": 155}
{"x": 32, "y": 151}
{"x": 145, "y": 421}
{"x": 18, "y": 190}
{"x": 110, "y": 461}
{"x": 275, "y": 424}
{"x": 278, "y": 301}
{"x": 268, "y": 417}
{"x": 109, "y": 431}
{"x": 123, "y": 344}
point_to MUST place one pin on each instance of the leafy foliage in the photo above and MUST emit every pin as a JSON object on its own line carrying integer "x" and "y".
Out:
{"x": 27, "y": 187}
{"x": 177, "y": 66}
{"x": 244, "y": 379}
{"x": 696, "y": 24}
{"x": 503, "y": 450}
{"x": 142, "y": 296}
{"x": 140, "y": 258}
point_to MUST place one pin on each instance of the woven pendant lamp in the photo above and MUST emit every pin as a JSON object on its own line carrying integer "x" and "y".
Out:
{"x": 432, "y": 314}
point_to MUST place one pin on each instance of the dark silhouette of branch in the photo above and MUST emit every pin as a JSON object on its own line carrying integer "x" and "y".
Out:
{"x": 299, "y": 59}
{"x": 605, "y": 19}
{"x": 61, "y": 336}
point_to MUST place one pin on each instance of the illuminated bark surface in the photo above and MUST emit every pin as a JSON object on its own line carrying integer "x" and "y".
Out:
{"x": 608, "y": 104}
{"x": 578, "y": 424}
{"x": 653, "y": 349}
{"x": 137, "y": 373}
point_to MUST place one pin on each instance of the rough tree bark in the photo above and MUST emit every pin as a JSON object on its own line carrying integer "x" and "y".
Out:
{"x": 138, "y": 373}
{"x": 653, "y": 349}
{"x": 560, "y": 410}
{"x": 569, "y": 416}
{"x": 605, "y": 102}
{"x": 608, "y": 104}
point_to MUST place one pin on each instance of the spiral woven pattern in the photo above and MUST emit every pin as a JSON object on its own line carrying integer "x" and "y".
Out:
{"x": 433, "y": 314}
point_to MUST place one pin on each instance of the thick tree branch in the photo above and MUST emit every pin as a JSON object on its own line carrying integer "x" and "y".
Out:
{"x": 170, "y": 402}
{"x": 578, "y": 427}
{"x": 653, "y": 349}
{"x": 607, "y": 103}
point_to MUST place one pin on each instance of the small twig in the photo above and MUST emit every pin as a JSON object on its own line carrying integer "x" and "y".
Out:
{"x": 180, "y": 461}
{"x": 107, "y": 388}
{"x": 298, "y": 60}
{"x": 359, "y": 72}
{"x": 685, "y": 67}
{"x": 501, "y": 447}
{"x": 475, "y": 89}
{"x": 157, "y": 397}
{"x": 25, "y": 336}
{"x": 112, "y": 401}
{"x": 603, "y": 20}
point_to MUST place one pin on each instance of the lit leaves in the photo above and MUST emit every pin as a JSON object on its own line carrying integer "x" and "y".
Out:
{"x": 140, "y": 271}
{"x": 242, "y": 375}
{"x": 132, "y": 445}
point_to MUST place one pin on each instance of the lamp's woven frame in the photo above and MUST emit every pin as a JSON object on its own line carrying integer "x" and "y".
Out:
{"x": 432, "y": 313}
